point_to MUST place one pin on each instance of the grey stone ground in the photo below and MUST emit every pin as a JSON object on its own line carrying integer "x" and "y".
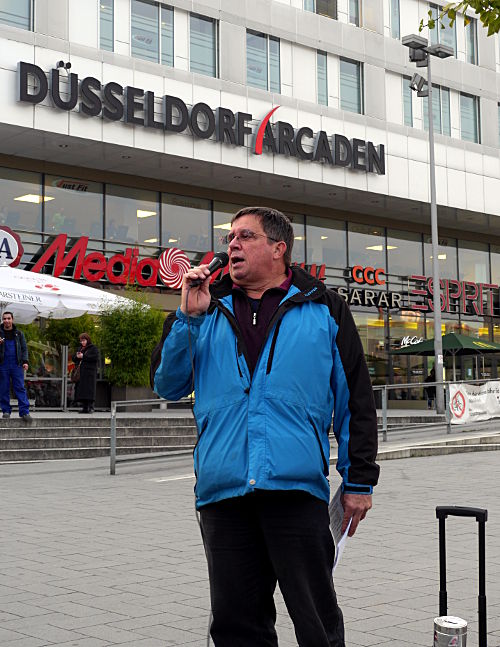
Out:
{"x": 89, "y": 560}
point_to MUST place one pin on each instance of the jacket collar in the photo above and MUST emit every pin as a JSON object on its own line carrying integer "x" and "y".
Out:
{"x": 309, "y": 287}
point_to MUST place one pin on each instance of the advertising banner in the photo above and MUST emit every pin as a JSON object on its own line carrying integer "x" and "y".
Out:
{"x": 471, "y": 402}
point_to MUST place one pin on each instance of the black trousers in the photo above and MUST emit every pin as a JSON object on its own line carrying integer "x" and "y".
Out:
{"x": 254, "y": 541}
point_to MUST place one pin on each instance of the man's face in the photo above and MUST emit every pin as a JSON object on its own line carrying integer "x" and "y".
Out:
{"x": 250, "y": 261}
{"x": 7, "y": 321}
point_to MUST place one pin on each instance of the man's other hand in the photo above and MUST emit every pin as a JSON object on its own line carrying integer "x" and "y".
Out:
{"x": 355, "y": 506}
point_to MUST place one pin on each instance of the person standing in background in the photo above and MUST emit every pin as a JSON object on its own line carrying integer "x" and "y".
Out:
{"x": 87, "y": 358}
{"x": 13, "y": 363}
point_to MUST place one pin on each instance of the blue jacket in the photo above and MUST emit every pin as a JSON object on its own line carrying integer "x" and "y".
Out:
{"x": 21, "y": 346}
{"x": 271, "y": 431}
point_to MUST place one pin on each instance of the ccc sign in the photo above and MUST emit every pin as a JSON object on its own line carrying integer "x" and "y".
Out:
{"x": 369, "y": 275}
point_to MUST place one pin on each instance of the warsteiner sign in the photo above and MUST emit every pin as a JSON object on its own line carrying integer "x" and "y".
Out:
{"x": 136, "y": 106}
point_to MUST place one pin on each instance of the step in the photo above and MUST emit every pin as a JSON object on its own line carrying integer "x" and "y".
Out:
{"x": 22, "y": 444}
{"x": 69, "y": 433}
{"x": 96, "y": 421}
{"x": 9, "y": 456}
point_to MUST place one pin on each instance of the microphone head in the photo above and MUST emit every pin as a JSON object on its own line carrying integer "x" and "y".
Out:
{"x": 223, "y": 258}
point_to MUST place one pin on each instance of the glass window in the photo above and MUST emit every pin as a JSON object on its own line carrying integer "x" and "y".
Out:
{"x": 372, "y": 331}
{"x": 326, "y": 242}
{"x": 499, "y": 123}
{"x": 350, "y": 86}
{"x": 447, "y": 256}
{"x": 17, "y": 13}
{"x": 354, "y": 12}
{"x": 473, "y": 262}
{"x": 274, "y": 64}
{"x": 299, "y": 241}
{"x": 446, "y": 36}
{"x": 327, "y": 8}
{"x": 395, "y": 30}
{"x": 322, "y": 78}
{"x": 73, "y": 207}
{"x": 106, "y": 24}
{"x": 366, "y": 245}
{"x": 186, "y": 224}
{"x": 21, "y": 200}
{"x": 263, "y": 61}
{"x": 323, "y": 7}
{"x": 471, "y": 42}
{"x": 132, "y": 218}
{"x": 407, "y": 102}
{"x": 167, "y": 35}
{"x": 223, "y": 214}
{"x": 469, "y": 118}
{"x": 145, "y": 30}
{"x": 203, "y": 45}
{"x": 404, "y": 253}
{"x": 440, "y": 110}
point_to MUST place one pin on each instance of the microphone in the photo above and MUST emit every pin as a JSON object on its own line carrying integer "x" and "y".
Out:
{"x": 220, "y": 260}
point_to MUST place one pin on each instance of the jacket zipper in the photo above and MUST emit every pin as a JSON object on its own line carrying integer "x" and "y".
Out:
{"x": 197, "y": 442}
{"x": 273, "y": 346}
{"x": 326, "y": 469}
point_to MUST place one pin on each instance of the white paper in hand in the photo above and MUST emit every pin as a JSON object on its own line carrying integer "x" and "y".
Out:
{"x": 336, "y": 512}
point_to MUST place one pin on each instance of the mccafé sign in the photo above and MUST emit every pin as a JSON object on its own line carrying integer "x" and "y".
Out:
{"x": 136, "y": 106}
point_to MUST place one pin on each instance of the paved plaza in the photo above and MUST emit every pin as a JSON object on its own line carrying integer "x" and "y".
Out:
{"x": 90, "y": 560}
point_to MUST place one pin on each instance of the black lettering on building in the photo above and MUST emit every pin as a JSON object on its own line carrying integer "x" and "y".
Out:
{"x": 358, "y": 154}
{"x": 91, "y": 103}
{"x": 241, "y": 128}
{"x": 343, "y": 151}
{"x": 322, "y": 148}
{"x": 286, "y": 144}
{"x": 56, "y": 92}
{"x": 303, "y": 132}
{"x": 132, "y": 106}
{"x": 224, "y": 122}
{"x": 376, "y": 159}
{"x": 269, "y": 142}
{"x": 113, "y": 106}
{"x": 179, "y": 122}
{"x": 149, "y": 112}
{"x": 27, "y": 71}
{"x": 207, "y": 118}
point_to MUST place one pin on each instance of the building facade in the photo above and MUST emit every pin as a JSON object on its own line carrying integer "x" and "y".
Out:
{"x": 131, "y": 130}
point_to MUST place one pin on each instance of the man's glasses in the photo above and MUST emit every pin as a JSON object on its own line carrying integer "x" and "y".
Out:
{"x": 244, "y": 236}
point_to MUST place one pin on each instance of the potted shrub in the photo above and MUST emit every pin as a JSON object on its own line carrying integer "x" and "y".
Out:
{"x": 127, "y": 337}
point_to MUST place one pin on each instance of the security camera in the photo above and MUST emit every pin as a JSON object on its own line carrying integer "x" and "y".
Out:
{"x": 60, "y": 64}
{"x": 68, "y": 66}
{"x": 417, "y": 84}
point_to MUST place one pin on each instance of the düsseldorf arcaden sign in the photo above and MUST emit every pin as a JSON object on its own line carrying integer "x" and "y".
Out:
{"x": 136, "y": 106}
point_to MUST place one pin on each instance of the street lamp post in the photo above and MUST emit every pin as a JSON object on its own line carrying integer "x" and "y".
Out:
{"x": 421, "y": 54}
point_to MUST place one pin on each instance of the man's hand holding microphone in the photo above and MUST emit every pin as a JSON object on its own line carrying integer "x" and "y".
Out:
{"x": 195, "y": 297}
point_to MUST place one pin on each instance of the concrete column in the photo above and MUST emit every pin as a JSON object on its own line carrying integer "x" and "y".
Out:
{"x": 232, "y": 54}
{"x": 51, "y": 18}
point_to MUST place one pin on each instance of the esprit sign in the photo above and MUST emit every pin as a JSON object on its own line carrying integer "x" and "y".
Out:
{"x": 11, "y": 248}
{"x": 136, "y": 106}
{"x": 466, "y": 297}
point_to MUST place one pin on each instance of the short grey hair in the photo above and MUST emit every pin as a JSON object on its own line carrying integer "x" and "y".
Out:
{"x": 275, "y": 225}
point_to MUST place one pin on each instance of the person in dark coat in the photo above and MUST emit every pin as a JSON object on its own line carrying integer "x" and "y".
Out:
{"x": 13, "y": 363}
{"x": 431, "y": 390}
{"x": 87, "y": 357}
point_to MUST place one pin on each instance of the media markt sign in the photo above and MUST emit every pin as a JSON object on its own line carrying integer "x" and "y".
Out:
{"x": 136, "y": 106}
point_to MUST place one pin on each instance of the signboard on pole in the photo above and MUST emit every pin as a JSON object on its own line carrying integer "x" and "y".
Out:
{"x": 471, "y": 402}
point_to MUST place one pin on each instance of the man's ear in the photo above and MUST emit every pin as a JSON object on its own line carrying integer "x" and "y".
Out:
{"x": 280, "y": 249}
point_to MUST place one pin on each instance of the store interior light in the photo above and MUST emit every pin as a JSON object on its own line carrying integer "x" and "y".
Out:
{"x": 441, "y": 257}
{"x": 145, "y": 214}
{"x": 34, "y": 198}
{"x": 376, "y": 323}
{"x": 151, "y": 240}
{"x": 484, "y": 332}
{"x": 324, "y": 237}
{"x": 173, "y": 240}
{"x": 225, "y": 225}
{"x": 299, "y": 237}
{"x": 380, "y": 248}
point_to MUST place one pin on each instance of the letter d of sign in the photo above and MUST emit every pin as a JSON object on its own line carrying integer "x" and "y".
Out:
{"x": 28, "y": 71}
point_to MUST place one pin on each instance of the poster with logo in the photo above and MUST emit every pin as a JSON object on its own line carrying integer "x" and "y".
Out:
{"x": 471, "y": 402}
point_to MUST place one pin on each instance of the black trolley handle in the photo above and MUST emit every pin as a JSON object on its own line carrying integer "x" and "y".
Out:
{"x": 481, "y": 516}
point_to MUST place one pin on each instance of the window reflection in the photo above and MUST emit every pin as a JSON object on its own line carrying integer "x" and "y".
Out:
{"x": 21, "y": 207}
{"x": 186, "y": 224}
{"x": 447, "y": 256}
{"x": 366, "y": 245}
{"x": 223, "y": 214}
{"x": 16, "y": 13}
{"x": 73, "y": 207}
{"x": 371, "y": 326}
{"x": 144, "y": 30}
{"x": 404, "y": 253}
{"x": 299, "y": 243}
{"x": 132, "y": 217}
{"x": 473, "y": 262}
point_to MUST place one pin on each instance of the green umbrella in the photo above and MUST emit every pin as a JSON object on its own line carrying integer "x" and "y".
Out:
{"x": 453, "y": 344}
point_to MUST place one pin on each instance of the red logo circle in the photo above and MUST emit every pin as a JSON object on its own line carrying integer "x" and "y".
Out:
{"x": 173, "y": 265}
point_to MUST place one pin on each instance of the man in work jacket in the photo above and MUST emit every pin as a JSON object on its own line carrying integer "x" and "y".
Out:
{"x": 13, "y": 363}
{"x": 274, "y": 353}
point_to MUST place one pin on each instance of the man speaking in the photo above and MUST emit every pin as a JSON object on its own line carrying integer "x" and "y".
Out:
{"x": 274, "y": 354}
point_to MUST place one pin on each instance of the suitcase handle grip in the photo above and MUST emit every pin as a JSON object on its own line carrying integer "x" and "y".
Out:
{"x": 443, "y": 511}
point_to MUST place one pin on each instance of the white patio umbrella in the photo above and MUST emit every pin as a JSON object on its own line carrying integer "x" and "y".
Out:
{"x": 29, "y": 295}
